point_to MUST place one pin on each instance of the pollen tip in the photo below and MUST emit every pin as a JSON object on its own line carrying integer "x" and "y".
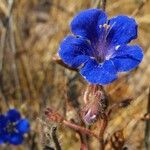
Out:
{"x": 106, "y": 26}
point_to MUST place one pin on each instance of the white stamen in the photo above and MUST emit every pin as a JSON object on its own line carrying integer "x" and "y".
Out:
{"x": 100, "y": 26}
{"x": 116, "y": 48}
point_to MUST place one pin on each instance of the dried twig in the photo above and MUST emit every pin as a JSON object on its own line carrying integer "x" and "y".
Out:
{"x": 137, "y": 10}
{"x": 99, "y": 4}
{"x": 55, "y": 138}
{"x": 103, "y": 125}
{"x": 96, "y": 3}
{"x": 9, "y": 29}
{"x": 122, "y": 104}
{"x": 103, "y": 4}
{"x": 2, "y": 46}
{"x": 147, "y": 126}
{"x": 13, "y": 48}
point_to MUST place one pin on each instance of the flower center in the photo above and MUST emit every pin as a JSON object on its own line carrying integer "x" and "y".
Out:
{"x": 10, "y": 127}
{"x": 101, "y": 47}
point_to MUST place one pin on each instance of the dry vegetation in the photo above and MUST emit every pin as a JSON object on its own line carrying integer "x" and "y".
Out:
{"x": 30, "y": 33}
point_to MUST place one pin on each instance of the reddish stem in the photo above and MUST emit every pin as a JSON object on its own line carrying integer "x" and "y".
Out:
{"x": 83, "y": 146}
{"x": 79, "y": 128}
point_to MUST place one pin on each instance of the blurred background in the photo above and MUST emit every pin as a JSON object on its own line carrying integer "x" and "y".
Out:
{"x": 30, "y": 79}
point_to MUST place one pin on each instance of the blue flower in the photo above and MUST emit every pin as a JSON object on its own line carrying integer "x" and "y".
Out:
{"x": 13, "y": 127}
{"x": 99, "y": 47}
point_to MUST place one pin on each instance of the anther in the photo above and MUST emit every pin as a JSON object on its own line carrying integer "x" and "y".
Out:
{"x": 106, "y": 26}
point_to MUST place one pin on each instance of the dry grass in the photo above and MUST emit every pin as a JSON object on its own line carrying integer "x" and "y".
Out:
{"x": 31, "y": 81}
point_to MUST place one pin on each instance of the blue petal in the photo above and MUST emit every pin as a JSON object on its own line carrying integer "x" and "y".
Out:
{"x": 74, "y": 51}
{"x": 16, "y": 138}
{"x": 4, "y": 136}
{"x": 99, "y": 73}
{"x": 1, "y": 141}
{"x": 122, "y": 30}
{"x": 23, "y": 126}
{"x": 1, "y": 137}
{"x": 86, "y": 23}
{"x": 13, "y": 115}
{"x": 127, "y": 57}
{"x": 3, "y": 121}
